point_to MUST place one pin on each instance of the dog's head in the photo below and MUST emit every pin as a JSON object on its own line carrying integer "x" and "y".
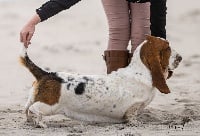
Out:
{"x": 161, "y": 60}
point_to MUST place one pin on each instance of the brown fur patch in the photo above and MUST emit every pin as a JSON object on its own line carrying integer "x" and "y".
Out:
{"x": 47, "y": 90}
{"x": 34, "y": 83}
{"x": 22, "y": 61}
{"x": 155, "y": 55}
{"x": 47, "y": 85}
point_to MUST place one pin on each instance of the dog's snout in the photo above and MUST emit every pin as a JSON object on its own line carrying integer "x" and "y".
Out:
{"x": 178, "y": 58}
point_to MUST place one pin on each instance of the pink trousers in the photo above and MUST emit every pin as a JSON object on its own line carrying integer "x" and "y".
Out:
{"x": 127, "y": 22}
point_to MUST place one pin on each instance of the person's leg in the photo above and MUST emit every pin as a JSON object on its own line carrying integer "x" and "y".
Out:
{"x": 117, "y": 55}
{"x": 117, "y": 12}
{"x": 158, "y": 18}
{"x": 140, "y": 23}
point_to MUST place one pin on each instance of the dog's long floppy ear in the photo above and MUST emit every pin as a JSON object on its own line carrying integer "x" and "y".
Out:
{"x": 157, "y": 76}
{"x": 150, "y": 55}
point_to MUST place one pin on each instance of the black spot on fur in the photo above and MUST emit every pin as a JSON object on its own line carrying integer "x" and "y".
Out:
{"x": 68, "y": 86}
{"x": 114, "y": 106}
{"x": 107, "y": 88}
{"x": 138, "y": 73}
{"x": 89, "y": 97}
{"x": 88, "y": 80}
{"x": 80, "y": 88}
{"x": 54, "y": 76}
{"x": 70, "y": 78}
{"x": 101, "y": 82}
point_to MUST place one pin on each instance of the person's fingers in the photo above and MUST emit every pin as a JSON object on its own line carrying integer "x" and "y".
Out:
{"x": 27, "y": 44}
{"x": 24, "y": 37}
{"x": 26, "y": 34}
{"x": 28, "y": 39}
{"x": 29, "y": 36}
{"x": 21, "y": 37}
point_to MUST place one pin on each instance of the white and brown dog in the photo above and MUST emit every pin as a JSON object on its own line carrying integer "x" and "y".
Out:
{"x": 103, "y": 98}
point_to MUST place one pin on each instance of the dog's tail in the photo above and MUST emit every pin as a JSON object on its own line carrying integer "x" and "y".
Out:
{"x": 37, "y": 72}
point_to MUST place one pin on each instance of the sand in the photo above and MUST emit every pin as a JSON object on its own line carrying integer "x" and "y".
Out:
{"x": 74, "y": 41}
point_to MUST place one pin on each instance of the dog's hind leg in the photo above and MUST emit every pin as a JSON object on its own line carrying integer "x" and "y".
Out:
{"x": 28, "y": 105}
{"x": 40, "y": 109}
{"x": 28, "y": 114}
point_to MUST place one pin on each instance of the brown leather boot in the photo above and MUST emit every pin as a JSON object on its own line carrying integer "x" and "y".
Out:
{"x": 116, "y": 59}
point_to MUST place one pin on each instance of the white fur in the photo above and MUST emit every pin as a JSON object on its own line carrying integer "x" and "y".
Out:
{"x": 105, "y": 98}
{"x": 173, "y": 63}
{"x": 23, "y": 51}
{"x": 126, "y": 87}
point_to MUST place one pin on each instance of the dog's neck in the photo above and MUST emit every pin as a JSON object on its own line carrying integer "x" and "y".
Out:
{"x": 136, "y": 69}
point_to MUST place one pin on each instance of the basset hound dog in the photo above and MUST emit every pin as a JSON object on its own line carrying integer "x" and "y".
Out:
{"x": 116, "y": 97}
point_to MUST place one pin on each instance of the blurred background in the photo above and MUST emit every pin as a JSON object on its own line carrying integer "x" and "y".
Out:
{"x": 74, "y": 41}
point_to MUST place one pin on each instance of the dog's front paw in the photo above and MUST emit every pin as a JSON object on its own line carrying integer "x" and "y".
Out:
{"x": 40, "y": 124}
{"x": 29, "y": 119}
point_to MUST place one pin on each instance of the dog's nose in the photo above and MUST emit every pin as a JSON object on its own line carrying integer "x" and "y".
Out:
{"x": 178, "y": 57}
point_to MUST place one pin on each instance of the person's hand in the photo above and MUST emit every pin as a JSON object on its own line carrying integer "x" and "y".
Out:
{"x": 26, "y": 34}
{"x": 28, "y": 30}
